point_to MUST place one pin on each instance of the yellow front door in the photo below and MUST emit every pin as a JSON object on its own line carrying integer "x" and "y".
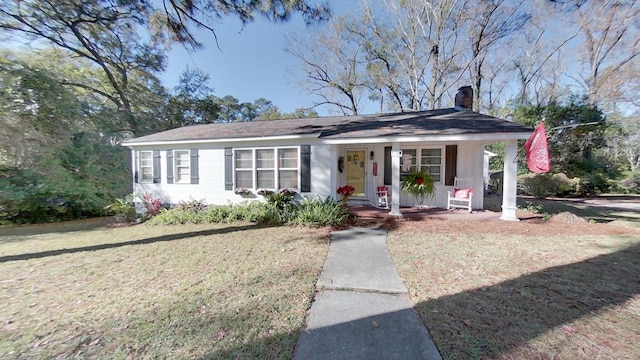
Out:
{"x": 355, "y": 170}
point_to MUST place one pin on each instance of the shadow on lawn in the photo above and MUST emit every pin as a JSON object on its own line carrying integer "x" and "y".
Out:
{"x": 494, "y": 321}
{"x": 490, "y": 321}
{"x": 59, "y": 227}
{"x": 163, "y": 238}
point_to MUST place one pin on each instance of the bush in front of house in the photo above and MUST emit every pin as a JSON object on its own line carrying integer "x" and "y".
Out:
{"x": 546, "y": 185}
{"x": 321, "y": 212}
{"x": 310, "y": 212}
{"x": 629, "y": 185}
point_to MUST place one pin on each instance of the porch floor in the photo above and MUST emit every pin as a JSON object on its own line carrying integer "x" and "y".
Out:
{"x": 368, "y": 212}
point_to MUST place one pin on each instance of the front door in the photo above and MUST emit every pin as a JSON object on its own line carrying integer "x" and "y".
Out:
{"x": 355, "y": 171}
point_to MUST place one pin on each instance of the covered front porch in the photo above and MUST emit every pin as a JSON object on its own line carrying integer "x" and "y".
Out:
{"x": 367, "y": 166}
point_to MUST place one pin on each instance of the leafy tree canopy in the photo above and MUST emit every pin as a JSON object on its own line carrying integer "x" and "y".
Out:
{"x": 182, "y": 15}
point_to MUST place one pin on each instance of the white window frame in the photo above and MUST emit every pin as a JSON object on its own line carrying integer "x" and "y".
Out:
{"x": 140, "y": 166}
{"x": 440, "y": 172}
{"x": 258, "y": 169}
{"x": 176, "y": 173}
{"x": 249, "y": 169}
{"x": 297, "y": 168}
{"x": 418, "y": 158}
{"x": 276, "y": 169}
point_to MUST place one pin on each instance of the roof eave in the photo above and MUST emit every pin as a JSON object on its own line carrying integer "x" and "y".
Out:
{"x": 431, "y": 138}
{"x": 132, "y": 142}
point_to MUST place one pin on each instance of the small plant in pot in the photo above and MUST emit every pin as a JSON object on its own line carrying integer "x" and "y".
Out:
{"x": 419, "y": 184}
{"x": 242, "y": 191}
{"x": 346, "y": 192}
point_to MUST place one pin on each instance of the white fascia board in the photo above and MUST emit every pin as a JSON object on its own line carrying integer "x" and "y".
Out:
{"x": 214, "y": 141}
{"x": 430, "y": 138}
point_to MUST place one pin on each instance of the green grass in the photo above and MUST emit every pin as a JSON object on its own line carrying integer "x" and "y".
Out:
{"x": 190, "y": 291}
{"x": 489, "y": 294}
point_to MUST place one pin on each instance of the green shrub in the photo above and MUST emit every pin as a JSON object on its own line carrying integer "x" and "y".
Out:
{"x": 594, "y": 183}
{"x": 123, "y": 209}
{"x": 281, "y": 199}
{"x": 29, "y": 197}
{"x": 175, "y": 217}
{"x": 191, "y": 206}
{"x": 256, "y": 212}
{"x": 73, "y": 181}
{"x": 315, "y": 212}
{"x": 215, "y": 214}
{"x": 537, "y": 185}
{"x": 628, "y": 185}
{"x": 319, "y": 212}
{"x": 546, "y": 185}
{"x": 262, "y": 213}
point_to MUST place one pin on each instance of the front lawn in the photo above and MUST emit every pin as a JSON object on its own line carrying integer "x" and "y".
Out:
{"x": 190, "y": 291}
{"x": 501, "y": 290}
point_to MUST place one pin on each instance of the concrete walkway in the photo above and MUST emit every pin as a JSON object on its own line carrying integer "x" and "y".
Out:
{"x": 361, "y": 310}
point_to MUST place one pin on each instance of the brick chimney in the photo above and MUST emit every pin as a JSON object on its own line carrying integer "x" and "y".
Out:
{"x": 464, "y": 98}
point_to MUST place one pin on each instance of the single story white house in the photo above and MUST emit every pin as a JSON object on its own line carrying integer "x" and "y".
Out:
{"x": 315, "y": 156}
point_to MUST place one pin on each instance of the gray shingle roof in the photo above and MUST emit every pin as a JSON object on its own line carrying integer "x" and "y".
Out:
{"x": 420, "y": 123}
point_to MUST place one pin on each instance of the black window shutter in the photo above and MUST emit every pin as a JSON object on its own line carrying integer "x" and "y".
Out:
{"x": 156, "y": 166}
{"x": 136, "y": 166}
{"x": 387, "y": 165}
{"x": 194, "y": 166}
{"x": 228, "y": 168}
{"x": 169, "y": 166}
{"x": 305, "y": 168}
{"x": 450, "y": 164}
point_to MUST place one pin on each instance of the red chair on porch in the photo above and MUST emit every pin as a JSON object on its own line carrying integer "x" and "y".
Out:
{"x": 382, "y": 195}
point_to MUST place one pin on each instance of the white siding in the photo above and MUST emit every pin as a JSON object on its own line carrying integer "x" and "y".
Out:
{"x": 211, "y": 180}
{"x": 211, "y": 175}
{"x": 325, "y": 177}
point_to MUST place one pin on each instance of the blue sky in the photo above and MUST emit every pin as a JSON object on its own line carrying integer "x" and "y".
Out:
{"x": 252, "y": 62}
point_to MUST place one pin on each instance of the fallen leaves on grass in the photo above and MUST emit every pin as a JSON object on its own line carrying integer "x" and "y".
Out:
{"x": 191, "y": 291}
{"x": 494, "y": 290}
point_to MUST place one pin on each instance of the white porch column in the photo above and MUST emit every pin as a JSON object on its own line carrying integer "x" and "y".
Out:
{"x": 509, "y": 181}
{"x": 395, "y": 179}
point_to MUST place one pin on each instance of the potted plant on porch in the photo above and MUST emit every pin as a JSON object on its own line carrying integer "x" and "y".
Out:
{"x": 346, "y": 192}
{"x": 418, "y": 184}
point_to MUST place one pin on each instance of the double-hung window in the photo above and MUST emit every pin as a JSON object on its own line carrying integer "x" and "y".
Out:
{"x": 244, "y": 169}
{"x": 431, "y": 163}
{"x": 145, "y": 166}
{"x": 288, "y": 168}
{"x": 267, "y": 168}
{"x": 408, "y": 162}
{"x": 428, "y": 160}
{"x": 182, "y": 169}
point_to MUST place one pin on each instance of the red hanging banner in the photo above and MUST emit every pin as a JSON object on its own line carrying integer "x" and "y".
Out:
{"x": 537, "y": 151}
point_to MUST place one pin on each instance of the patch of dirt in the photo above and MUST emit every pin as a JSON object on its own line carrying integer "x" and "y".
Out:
{"x": 529, "y": 224}
{"x": 567, "y": 218}
{"x": 533, "y": 224}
